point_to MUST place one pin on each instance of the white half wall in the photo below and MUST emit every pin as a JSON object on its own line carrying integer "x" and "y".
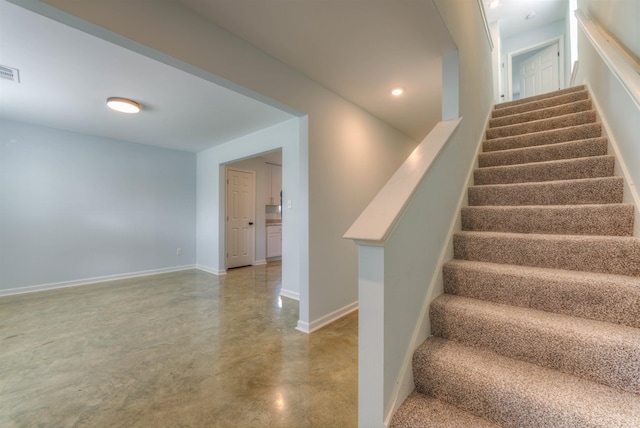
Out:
{"x": 74, "y": 207}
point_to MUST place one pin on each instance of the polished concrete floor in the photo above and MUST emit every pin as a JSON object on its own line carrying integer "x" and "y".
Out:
{"x": 185, "y": 349}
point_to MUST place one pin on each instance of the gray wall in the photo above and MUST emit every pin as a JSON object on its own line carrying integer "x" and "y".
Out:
{"x": 533, "y": 38}
{"x": 620, "y": 18}
{"x": 351, "y": 154}
{"x": 75, "y": 207}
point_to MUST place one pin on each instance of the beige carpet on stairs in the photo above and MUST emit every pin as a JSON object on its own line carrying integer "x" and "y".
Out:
{"x": 539, "y": 325}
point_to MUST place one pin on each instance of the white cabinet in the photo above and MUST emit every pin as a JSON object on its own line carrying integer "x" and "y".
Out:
{"x": 274, "y": 241}
{"x": 273, "y": 184}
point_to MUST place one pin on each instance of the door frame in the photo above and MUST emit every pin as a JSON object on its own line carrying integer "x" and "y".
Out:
{"x": 559, "y": 40}
{"x": 226, "y": 207}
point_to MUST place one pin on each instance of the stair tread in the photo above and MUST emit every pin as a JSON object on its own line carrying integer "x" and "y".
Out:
{"x": 540, "y": 104}
{"x": 600, "y": 351}
{"x": 543, "y": 113}
{"x": 422, "y": 411}
{"x": 605, "y": 254}
{"x": 517, "y": 393}
{"x": 586, "y": 219}
{"x": 555, "y": 170}
{"x": 542, "y": 163}
{"x": 534, "y": 98}
{"x": 592, "y": 295}
{"x": 562, "y": 274}
{"x": 562, "y": 192}
{"x": 548, "y": 237}
{"x": 534, "y": 126}
{"x": 551, "y": 136}
{"x": 541, "y": 153}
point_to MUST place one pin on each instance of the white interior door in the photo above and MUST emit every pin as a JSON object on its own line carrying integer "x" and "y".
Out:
{"x": 540, "y": 73}
{"x": 240, "y": 229}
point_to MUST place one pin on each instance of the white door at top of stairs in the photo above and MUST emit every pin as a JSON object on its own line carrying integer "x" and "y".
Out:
{"x": 540, "y": 73}
{"x": 241, "y": 213}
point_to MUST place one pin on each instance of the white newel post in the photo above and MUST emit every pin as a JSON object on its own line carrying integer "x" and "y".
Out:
{"x": 371, "y": 336}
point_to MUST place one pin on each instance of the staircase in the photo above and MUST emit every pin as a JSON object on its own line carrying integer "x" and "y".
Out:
{"x": 539, "y": 325}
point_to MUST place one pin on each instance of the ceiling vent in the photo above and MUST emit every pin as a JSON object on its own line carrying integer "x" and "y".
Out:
{"x": 8, "y": 73}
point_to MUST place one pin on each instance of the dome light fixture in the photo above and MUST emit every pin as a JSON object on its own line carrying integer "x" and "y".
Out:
{"x": 396, "y": 92}
{"x": 493, "y": 4}
{"x": 123, "y": 105}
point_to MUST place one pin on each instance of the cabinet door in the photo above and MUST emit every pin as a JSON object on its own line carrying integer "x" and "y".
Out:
{"x": 274, "y": 241}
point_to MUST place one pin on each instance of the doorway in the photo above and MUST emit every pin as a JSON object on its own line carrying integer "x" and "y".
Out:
{"x": 543, "y": 66}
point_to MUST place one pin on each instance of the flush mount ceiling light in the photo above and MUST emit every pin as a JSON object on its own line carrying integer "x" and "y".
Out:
{"x": 396, "y": 92}
{"x": 493, "y": 4}
{"x": 123, "y": 105}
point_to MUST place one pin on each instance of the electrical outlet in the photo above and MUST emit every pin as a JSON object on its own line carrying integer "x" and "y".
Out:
{"x": 179, "y": 251}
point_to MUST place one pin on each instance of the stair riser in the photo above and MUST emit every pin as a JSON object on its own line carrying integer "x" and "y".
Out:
{"x": 577, "y": 347}
{"x": 590, "y": 191}
{"x": 541, "y": 104}
{"x": 547, "y": 113}
{"x": 620, "y": 256}
{"x": 546, "y": 96}
{"x": 612, "y": 220}
{"x": 609, "y": 299}
{"x": 570, "y": 150}
{"x": 582, "y": 132}
{"x": 591, "y": 167}
{"x": 542, "y": 125}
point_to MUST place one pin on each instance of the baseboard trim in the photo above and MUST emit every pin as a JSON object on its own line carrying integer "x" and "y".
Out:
{"x": 211, "y": 270}
{"x": 290, "y": 294}
{"x": 87, "y": 281}
{"x": 327, "y": 319}
{"x": 260, "y": 262}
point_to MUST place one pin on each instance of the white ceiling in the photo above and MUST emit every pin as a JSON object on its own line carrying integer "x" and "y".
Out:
{"x": 358, "y": 49}
{"x": 66, "y": 76}
{"x": 512, "y": 14}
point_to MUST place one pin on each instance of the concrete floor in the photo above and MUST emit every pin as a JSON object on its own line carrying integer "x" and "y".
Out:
{"x": 185, "y": 349}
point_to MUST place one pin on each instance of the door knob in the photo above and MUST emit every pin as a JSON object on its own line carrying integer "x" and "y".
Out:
{"x": 250, "y": 223}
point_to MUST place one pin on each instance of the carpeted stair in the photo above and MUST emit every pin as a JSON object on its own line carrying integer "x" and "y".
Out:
{"x": 539, "y": 325}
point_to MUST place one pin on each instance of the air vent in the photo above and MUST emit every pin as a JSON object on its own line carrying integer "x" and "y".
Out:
{"x": 8, "y": 73}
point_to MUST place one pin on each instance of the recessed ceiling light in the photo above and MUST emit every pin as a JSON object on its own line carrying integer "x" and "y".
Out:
{"x": 493, "y": 4}
{"x": 397, "y": 92}
{"x": 123, "y": 105}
